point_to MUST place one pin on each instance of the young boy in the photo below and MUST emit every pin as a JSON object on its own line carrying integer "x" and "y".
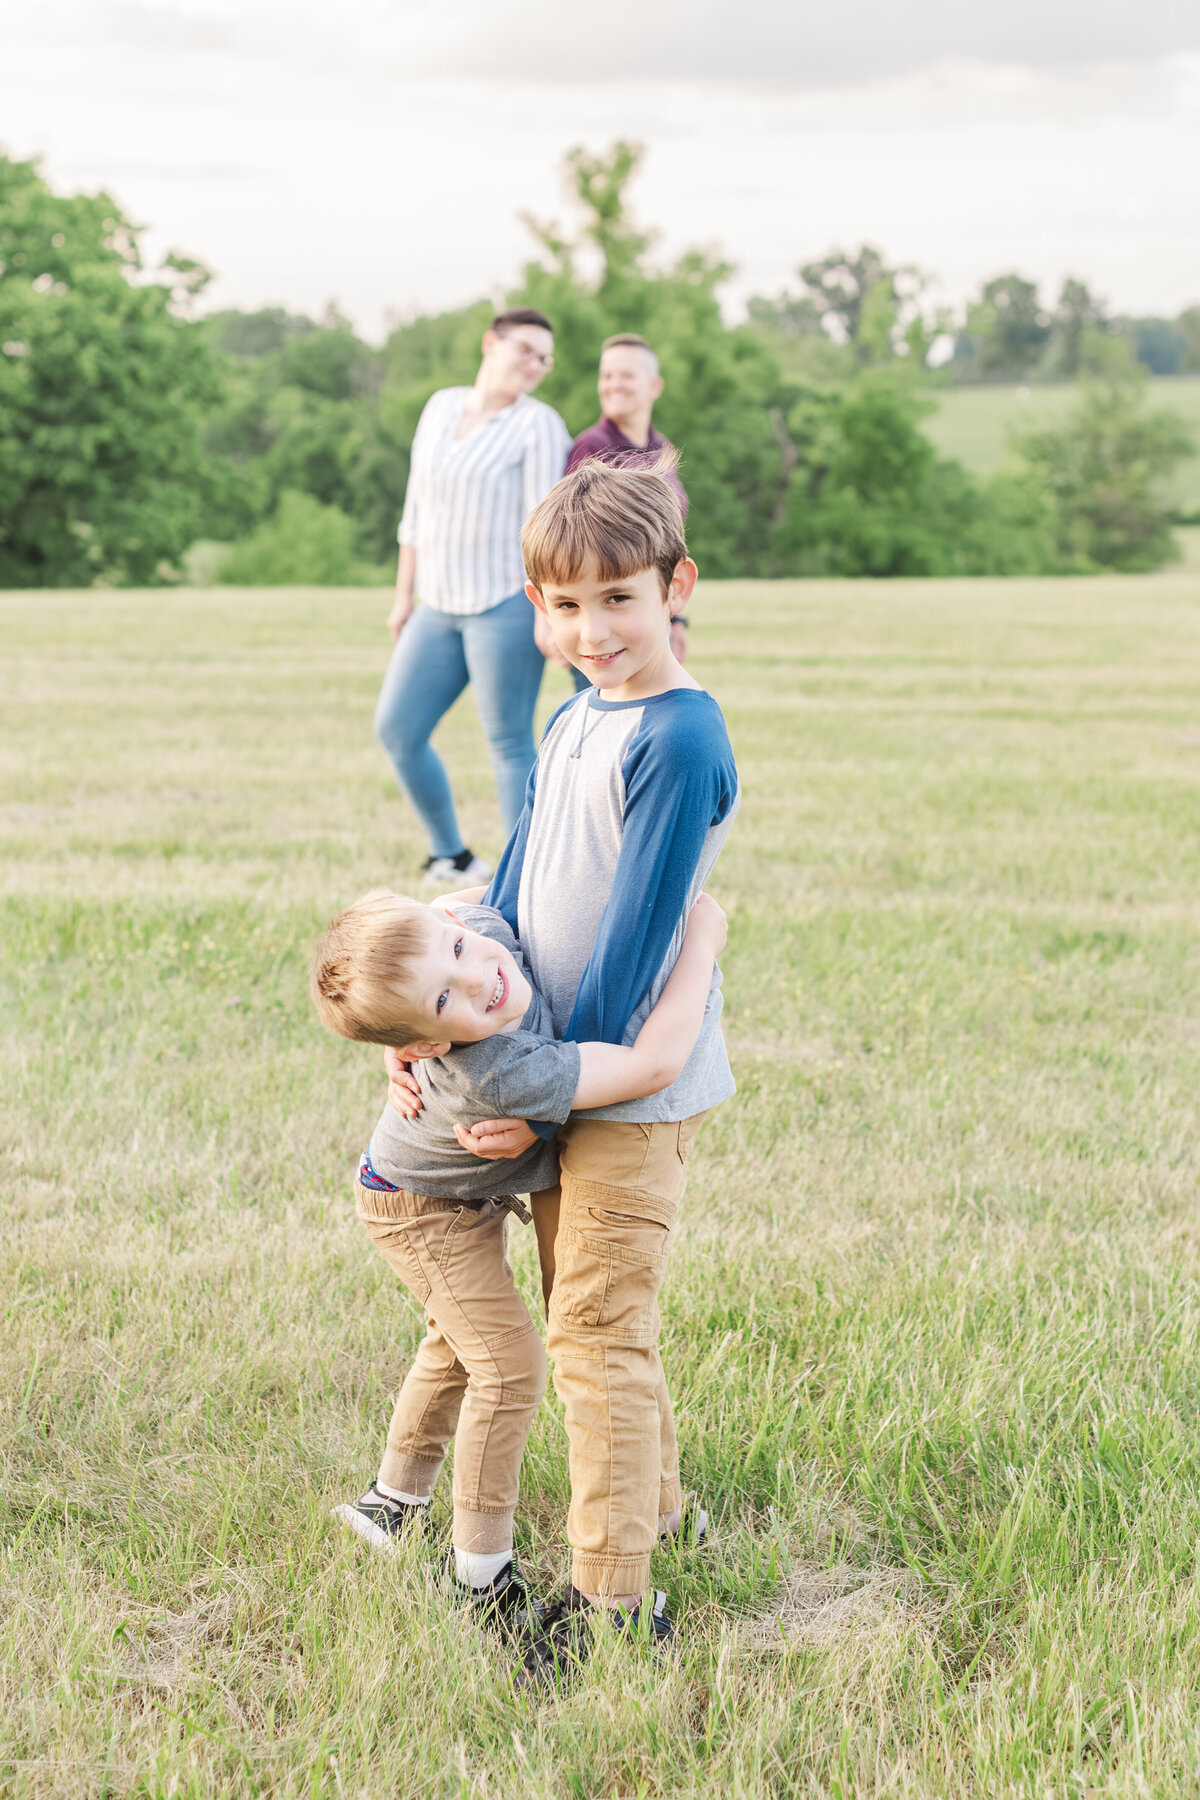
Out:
{"x": 425, "y": 980}
{"x": 633, "y": 794}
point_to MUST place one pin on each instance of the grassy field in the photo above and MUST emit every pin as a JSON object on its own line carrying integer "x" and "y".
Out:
{"x": 933, "y": 1325}
{"x": 973, "y": 424}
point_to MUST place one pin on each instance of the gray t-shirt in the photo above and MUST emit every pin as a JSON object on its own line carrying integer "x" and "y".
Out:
{"x": 522, "y": 1074}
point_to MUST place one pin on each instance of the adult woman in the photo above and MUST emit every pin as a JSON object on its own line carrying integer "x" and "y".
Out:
{"x": 482, "y": 458}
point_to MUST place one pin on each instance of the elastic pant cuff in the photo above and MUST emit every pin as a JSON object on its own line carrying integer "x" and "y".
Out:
{"x": 410, "y": 1474}
{"x": 611, "y": 1575}
{"x": 484, "y": 1533}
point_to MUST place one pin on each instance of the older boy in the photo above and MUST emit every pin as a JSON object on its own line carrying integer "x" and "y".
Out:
{"x": 389, "y": 970}
{"x": 628, "y": 806}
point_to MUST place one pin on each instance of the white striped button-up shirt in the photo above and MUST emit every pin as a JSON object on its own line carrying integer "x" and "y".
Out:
{"x": 468, "y": 498}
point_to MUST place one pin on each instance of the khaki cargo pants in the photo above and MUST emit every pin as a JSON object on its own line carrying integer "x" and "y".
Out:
{"x": 604, "y": 1235}
{"x": 479, "y": 1372}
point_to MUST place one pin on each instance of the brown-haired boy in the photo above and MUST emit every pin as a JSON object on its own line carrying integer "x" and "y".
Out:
{"x": 632, "y": 797}
{"x": 449, "y": 986}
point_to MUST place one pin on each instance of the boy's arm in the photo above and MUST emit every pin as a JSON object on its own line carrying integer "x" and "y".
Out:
{"x": 610, "y": 1073}
{"x": 678, "y": 785}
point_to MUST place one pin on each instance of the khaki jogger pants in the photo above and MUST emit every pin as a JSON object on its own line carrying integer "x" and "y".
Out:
{"x": 603, "y": 1237}
{"x": 479, "y": 1372}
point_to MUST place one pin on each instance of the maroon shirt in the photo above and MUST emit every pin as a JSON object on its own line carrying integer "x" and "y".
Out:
{"x": 606, "y": 440}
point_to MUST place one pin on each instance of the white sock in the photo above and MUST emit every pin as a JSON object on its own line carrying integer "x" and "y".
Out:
{"x": 399, "y": 1494}
{"x": 478, "y": 1568}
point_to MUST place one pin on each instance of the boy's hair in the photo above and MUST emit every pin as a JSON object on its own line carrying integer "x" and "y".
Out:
{"x": 360, "y": 963}
{"x": 521, "y": 315}
{"x": 625, "y": 518}
{"x": 634, "y": 342}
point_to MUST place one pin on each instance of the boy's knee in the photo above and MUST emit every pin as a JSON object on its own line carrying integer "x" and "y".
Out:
{"x": 522, "y": 1368}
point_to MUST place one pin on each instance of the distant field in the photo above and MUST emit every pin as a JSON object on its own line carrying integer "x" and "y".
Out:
{"x": 933, "y": 1321}
{"x": 972, "y": 424}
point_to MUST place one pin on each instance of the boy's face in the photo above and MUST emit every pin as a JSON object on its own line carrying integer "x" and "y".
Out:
{"x": 464, "y": 988}
{"x": 617, "y": 632}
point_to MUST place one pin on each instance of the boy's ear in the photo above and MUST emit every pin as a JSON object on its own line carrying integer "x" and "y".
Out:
{"x": 683, "y": 582}
{"x": 535, "y": 594}
{"x": 419, "y": 1051}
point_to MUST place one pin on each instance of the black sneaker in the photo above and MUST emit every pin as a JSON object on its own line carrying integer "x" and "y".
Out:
{"x": 652, "y": 1627}
{"x": 692, "y": 1533}
{"x": 507, "y": 1606}
{"x": 558, "y": 1655}
{"x": 382, "y": 1521}
{"x": 464, "y": 870}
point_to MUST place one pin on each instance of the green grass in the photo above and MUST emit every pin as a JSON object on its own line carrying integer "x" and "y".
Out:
{"x": 933, "y": 1324}
{"x": 973, "y": 424}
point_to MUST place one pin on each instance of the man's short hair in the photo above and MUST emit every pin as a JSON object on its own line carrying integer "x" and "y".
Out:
{"x": 634, "y": 342}
{"x": 521, "y": 315}
{"x": 623, "y": 518}
{"x": 360, "y": 965}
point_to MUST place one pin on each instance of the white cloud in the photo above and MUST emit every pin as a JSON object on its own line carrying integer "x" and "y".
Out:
{"x": 304, "y": 154}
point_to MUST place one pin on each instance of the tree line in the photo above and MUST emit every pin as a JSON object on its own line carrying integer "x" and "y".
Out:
{"x": 142, "y": 443}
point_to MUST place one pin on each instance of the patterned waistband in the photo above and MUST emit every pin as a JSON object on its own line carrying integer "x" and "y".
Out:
{"x": 371, "y": 1178}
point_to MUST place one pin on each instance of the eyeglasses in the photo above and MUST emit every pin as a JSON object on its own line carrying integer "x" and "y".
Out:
{"x": 528, "y": 350}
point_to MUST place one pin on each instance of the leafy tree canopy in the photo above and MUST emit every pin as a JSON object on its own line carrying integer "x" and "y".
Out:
{"x": 103, "y": 389}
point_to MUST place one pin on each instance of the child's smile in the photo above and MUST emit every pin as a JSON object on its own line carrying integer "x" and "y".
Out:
{"x": 466, "y": 987}
{"x": 617, "y": 632}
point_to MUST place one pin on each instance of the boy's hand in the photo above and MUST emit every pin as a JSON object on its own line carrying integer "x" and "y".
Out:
{"x": 496, "y": 1139}
{"x": 707, "y": 917}
{"x": 404, "y": 1090}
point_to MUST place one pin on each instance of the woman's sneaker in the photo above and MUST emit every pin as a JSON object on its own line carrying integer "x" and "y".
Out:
{"x": 382, "y": 1521}
{"x": 464, "y": 870}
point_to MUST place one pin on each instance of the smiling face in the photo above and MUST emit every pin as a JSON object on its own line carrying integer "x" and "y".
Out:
{"x": 464, "y": 987}
{"x": 516, "y": 357}
{"x": 629, "y": 383}
{"x": 617, "y": 632}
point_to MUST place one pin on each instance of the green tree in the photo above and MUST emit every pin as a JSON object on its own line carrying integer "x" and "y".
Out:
{"x": 303, "y": 413}
{"x": 103, "y": 389}
{"x": 871, "y": 496}
{"x": 724, "y": 391}
{"x": 1077, "y": 321}
{"x": 1102, "y": 472}
{"x": 1007, "y": 330}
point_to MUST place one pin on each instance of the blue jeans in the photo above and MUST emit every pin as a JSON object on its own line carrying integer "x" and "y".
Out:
{"x": 437, "y": 655}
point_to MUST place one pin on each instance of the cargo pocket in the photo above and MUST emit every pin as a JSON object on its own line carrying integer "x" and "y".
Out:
{"x": 394, "y": 1243}
{"x": 611, "y": 1260}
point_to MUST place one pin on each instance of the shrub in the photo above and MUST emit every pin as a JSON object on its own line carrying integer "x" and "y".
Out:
{"x": 1101, "y": 472}
{"x": 302, "y": 544}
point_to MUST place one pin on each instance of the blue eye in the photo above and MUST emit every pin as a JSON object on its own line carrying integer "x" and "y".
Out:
{"x": 442, "y": 999}
{"x": 458, "y": 946}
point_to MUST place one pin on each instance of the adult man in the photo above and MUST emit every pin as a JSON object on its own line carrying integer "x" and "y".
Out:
{"x": 629, "y": 385}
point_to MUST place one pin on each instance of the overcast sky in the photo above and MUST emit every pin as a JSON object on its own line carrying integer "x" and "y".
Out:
{"x": 379, "y": 151}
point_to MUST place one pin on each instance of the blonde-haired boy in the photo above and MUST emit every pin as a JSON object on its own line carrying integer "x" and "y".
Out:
{"x": 449, "y": 986}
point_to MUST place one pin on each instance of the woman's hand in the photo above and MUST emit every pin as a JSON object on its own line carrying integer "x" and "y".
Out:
{"x": 496, "y": 1139}
{"x": 400, "y": 614}
{"x": 404, "y": 1092}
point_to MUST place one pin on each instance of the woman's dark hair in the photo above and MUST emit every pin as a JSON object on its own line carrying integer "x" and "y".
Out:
{"x": 521, "y": 315}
